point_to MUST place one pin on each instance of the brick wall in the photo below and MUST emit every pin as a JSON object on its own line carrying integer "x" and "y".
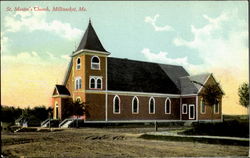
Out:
{"x": 96, "y": 104}
{"x": 209, "y": 110}
{"x": 90, "y": 72}
{"x": 57, "y": 100}
{"x": 188, "y": 101}
{"x": 126, "y": 109}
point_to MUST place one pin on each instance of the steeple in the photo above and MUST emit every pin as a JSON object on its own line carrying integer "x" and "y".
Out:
{"x": 90, "y": 40}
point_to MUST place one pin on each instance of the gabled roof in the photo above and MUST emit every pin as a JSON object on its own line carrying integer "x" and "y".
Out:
{"x": 200, "y": 78}
{"x": 192, "y": 84}
{"x": 187, "y": 87}
{"x": 138, "y": 76}
{"x": 90, "y": 40}
{"x": 174, "y": 72}
{"x": 62, "y": 90}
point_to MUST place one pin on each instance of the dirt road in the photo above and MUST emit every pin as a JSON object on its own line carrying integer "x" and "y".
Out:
{"x": 107, "y": 142}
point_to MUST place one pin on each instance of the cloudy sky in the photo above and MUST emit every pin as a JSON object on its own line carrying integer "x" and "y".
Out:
{"x": 201, "y": 36}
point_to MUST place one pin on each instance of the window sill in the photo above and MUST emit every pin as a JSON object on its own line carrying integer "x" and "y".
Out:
{"x": 95, "y": 69}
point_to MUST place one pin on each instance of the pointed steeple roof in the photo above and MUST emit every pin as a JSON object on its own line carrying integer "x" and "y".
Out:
{"x": 90, "y": 40}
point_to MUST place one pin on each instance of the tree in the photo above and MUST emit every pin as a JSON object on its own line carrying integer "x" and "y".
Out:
{"x": 243, "y": 92}
{"x": 10, "y": 114}
{"x": 76, "y": 108}
{"x": 211, "y": 93}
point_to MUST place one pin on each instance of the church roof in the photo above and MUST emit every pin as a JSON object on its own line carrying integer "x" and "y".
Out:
{"x": 138, "y": 76}
{"x": 192, "y": 84}
{"x": 90, "y": 40}
{"x": 62, "y": 90}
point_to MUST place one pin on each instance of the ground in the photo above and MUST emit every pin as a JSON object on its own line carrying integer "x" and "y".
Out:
{"x": 107, "y": 142}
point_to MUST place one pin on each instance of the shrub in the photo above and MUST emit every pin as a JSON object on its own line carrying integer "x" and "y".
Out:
{"x": 232, "y": 128}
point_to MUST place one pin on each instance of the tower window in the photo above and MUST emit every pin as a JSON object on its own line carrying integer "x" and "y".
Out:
{"x": 78, "y": 63}
{"x": 95, "y": 63}
{"x": 92, "y": 83}
{"x": 78, "y": 83}
{"x": 95, "y": 82}
{"x": 99, "y": 83}
{"x": 78, "y": 99}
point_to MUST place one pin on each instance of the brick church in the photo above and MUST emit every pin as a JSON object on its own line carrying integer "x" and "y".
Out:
{"x": 122, "y": 90}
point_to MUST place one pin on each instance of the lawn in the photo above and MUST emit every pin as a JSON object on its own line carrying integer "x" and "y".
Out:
{"x": 107, "y": 142}
{"x": 232, "y": 126}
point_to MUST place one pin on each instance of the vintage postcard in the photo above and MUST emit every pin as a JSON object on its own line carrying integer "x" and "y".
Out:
{"x": 124, "y": 78}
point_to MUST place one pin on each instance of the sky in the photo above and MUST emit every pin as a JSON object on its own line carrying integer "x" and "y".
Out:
{"x": 202, "y": 36}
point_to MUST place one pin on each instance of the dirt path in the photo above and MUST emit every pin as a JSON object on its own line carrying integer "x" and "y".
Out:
{"x": 107, "y": 142}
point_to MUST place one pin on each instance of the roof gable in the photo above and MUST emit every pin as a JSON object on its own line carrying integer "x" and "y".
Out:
{"x": 193, "y": 84}
{"x": 199, "y": 79}
{"x": 62, "y": 90}
{"x": 90, "y": 40}
{"x": 55, "y": 92}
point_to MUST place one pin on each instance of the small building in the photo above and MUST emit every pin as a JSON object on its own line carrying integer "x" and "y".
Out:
{"x": 122, "y": 90}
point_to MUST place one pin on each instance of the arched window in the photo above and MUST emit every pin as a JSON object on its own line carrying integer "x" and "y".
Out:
{"x": 92, "y": 83}
{"x": 116, "y": 105}
{"x": 95, "y": 63}
{"x": 78, "y": 63}
{"x": 216, "y": 108}
{"x": 95, "y": 82}
{"x": 99, "y": 83}
{"x": 151, "y": 105}
{"x": 78, "y": 83}
{"x": 168, "y": 106}
{"x": 78, "y": 99}
{"x": 202, "y": 106}
{"x": 135, "y": 105}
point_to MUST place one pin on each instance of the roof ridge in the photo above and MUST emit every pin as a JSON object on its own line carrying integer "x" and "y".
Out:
{"x": 206, "y": 73}
{"x": 146, "y": 61}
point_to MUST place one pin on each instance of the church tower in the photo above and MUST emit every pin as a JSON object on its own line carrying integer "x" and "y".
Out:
{"x": 86, "y": 79}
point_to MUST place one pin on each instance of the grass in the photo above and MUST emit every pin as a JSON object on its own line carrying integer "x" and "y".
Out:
{"x": 232, "y": 126}
{"x": 192, "y": 139}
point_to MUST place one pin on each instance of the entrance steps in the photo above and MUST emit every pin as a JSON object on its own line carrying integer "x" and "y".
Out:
{"x": 66, "y": 123}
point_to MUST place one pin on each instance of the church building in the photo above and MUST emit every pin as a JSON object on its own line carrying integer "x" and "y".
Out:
{"x": 122, "y": 90}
